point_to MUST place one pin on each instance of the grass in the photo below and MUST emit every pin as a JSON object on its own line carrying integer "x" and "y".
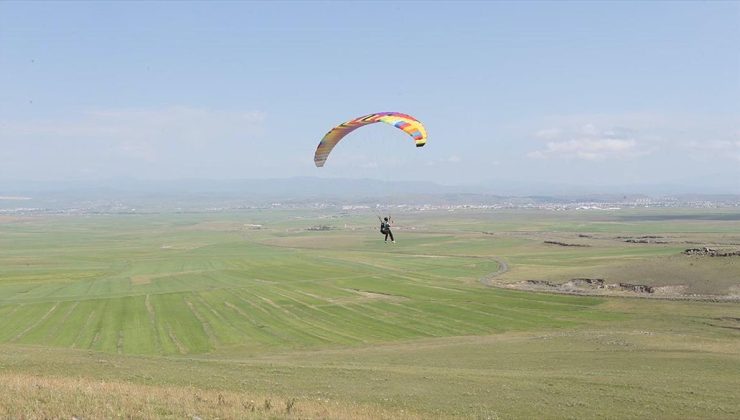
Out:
{"x": 154, "y": 300}
{"x": 164, "y": 307}
{"x": 53, "y": 397}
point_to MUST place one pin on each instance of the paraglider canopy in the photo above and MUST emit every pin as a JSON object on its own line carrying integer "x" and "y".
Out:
{"x": 404, "y": 122}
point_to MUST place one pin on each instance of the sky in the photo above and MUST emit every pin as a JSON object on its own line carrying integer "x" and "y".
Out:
{"x": 576, "y": 93}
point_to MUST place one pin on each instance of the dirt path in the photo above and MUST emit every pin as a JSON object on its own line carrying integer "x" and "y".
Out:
{"x": 488, "y": 279}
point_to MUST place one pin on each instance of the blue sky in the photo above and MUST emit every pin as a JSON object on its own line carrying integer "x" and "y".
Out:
{"x": 596, "y": 94}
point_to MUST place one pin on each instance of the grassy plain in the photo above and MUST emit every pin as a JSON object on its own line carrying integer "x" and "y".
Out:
{"x": 137, "y": 313}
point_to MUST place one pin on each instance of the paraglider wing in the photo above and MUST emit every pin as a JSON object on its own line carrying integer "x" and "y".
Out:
{"x": 407, "y": 123}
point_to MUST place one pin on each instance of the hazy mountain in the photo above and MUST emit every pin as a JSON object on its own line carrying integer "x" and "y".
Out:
{"x": 114, "y": 195}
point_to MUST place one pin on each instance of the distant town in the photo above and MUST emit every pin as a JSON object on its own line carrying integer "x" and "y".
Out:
{"x": 143, "y": 205}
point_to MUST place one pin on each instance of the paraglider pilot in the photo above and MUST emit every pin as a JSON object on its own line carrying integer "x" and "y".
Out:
{"x": 385, "y": 228}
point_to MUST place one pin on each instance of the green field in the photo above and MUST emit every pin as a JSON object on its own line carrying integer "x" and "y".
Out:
{"x": 346, "y": 325}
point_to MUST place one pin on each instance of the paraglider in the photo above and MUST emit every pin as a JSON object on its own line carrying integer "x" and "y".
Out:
{"x": 385, "y": 228}
{"x": 404, "y": 122}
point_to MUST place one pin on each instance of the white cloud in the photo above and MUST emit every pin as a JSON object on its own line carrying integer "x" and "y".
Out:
{"x": 716, "y": 149}
{"x": 548, "y": 133}
{"x": 588, "y": 142}
{"x": 138, "y": 150}
{"x": 668, "y": 143}
{"x": 160, "y": 142}
{"x": 343, "y": 159}
{"x": 129, "y": 129}
{"x": 452, "y": 159}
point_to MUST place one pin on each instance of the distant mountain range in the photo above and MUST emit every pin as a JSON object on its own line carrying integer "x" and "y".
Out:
{"x": 308, "y": 189}
{"x": 283, "y": 188}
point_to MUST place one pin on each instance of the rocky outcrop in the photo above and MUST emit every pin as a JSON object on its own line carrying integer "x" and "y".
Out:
{"x": 645, "y": 239}
{"x": 564, "y": 244}
{"x": 320, "y": 228}
{"x": 584, "y": 284}
{"x": 637, "y": 288}
{"x": 711, "y": 252}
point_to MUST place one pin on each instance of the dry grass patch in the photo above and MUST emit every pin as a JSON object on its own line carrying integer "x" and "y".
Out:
{"x": 364, "y": 296}
{"x": 41, "y": 397}
{"x": 13, "y": 219}
{"x": 321, "y": 240}
{"x": 141, "y": 279}
{"x": 217, "y": 226}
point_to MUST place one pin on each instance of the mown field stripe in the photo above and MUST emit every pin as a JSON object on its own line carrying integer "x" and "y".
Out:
{"x": 35, "y": 323}
{"x": 335, "y": 335}
{"x": 138, "y": 332}
{"x": 309, "y": 314}
{"x": 205, "y": 325}
{"x": 362, "y": 319}
{"x": 223, "y": 329}
{"x": 270, "y": 322}
{"x": 152, "y": 316}
{"x": 406, "y": 313}
{"x": 85, "y": 335}
{"x": 176, "y": 322}
{"x": 46, "y": 329}
{"x": 294, "y": 324}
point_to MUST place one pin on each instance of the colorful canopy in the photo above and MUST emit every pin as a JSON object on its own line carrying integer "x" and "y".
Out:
{"x": 407, "y": 123}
